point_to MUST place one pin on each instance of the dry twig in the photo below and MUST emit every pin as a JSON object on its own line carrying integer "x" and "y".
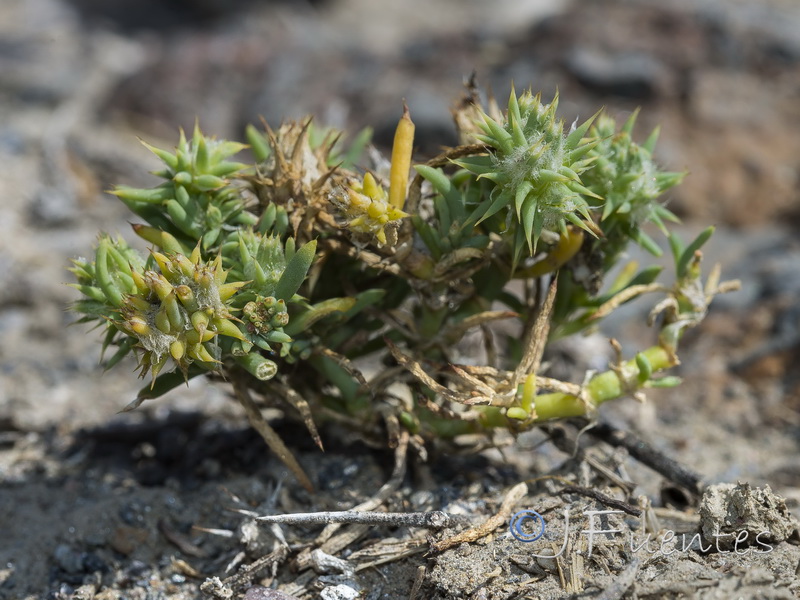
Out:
{"x": 470, "y": 535}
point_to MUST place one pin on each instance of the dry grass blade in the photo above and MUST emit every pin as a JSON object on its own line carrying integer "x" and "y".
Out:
{"x": 457, "y": 330}
{"x": 301, "y": 405}
{"x": 269, "y": 435}
{"x": 417, "y": 371}
{"x": 346, "y": 364}
{"x": 627, "y": 294}
{"x": 447, "y": 262}
{"x": 536, "y": 332}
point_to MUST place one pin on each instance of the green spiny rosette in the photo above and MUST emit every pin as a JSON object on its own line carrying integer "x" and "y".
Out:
{"x": 536, "y": 169}
{"x": 197, "y": 200}
{"x": 623, "y": 172}
{"x": 175, "y": 312}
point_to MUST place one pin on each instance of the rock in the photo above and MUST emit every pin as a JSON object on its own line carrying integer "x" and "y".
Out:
{"x": 339, "y": 592}
{"x": 625, "y": 74}
{"x": 736, "y": 516}
{"x": 68, "y": 559}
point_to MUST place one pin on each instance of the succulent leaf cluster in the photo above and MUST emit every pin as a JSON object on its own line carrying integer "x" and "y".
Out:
{"x": 196, "y": 201}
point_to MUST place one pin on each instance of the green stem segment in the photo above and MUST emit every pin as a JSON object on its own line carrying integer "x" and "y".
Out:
{"x": 601, "y": 388}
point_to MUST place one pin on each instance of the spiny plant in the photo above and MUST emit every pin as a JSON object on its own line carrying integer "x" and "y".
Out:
{"x": 318, "y": 279}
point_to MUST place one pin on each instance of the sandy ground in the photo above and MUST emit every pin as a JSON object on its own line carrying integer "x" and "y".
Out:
{"x": 99, "y": 505}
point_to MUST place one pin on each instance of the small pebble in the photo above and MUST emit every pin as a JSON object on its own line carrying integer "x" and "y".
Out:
{"x": 258, "y": 592}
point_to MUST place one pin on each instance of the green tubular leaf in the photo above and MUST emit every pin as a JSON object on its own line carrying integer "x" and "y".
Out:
{"x": 428, "y": 236}
{"x": 529, "y": 210}
{"x": 277, "y": 337}
{"x": 260, "y": 367}
{"x": 677, "y": 247}
{"x": 623, "y": 278}
{"x": 161, "y": 239}
{"x": 518, "y": 248}
{"x": 177, "y": 213}
{"x": 631, "y": 122}
{"x": 213, "y": 218}
{"x": 201, "y": 156}
{"x": 650, "y": 143}
{"x": 443, "y": 184}
{"x": 244, "y": 218}
{"x": 289, "y": 249}
{"x": 499, "y": 137}
{"x": 517, "y": 133}
{"x": 364, "y": 299}
{"x": 666, "y": 214}
{"x": 281, "y": 221}
{"x": 580, "y": 189}
{"x": 258, "y": 143}
{"x": 575, "y": 155}
{"x": 167, "y": 158}
{"x": 688, "y": 253}
{"x": 552, "y": 177}
{"x": 296, "y": 271}
{"x": 477, "y": 165}
{"x": 125, "y": 346}
{"x": 668, "y": 381}
{"x": 155, "y": 195}
{"x": 668, "y": 179}
{"x": 502, "y": 200}
{"x": 320, "y": 310}
{"x": 152, "y": 214}
{"x": 513, "y": 108}
{"x": 108, "y": 340}
{"x": 208, "y": 183}
{"x": 443, "y": 213}
{"x": 89, "y": 291}
{"x": 576, "y": 135}
{"x": 646, "y": 276}
{"x": 267, "y": 219}
{"x": 356, "y": 149}
{"x": 226, "y": 168}
{"x": 104, "y": 278}
{"x": 123, "y": 264}
{"x": 224, "y": 149}
{"x": 522, "y": 191}
{"x": 646, "y": 242}
{"x": 644, "y": 366}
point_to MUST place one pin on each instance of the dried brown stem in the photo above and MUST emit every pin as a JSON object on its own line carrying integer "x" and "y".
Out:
{"x": 471, "y": 535}
{"x": 270, "y": 436}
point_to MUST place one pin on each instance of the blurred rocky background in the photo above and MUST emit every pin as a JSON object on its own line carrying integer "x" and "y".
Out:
{"x": 80, "y": 80}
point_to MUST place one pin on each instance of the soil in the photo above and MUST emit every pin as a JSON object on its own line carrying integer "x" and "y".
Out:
{"x": 156, "y": 503}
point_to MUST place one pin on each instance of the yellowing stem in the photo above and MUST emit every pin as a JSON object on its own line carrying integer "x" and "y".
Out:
{"x": 401, "y": 159}
{"x": 567, "y": 247}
